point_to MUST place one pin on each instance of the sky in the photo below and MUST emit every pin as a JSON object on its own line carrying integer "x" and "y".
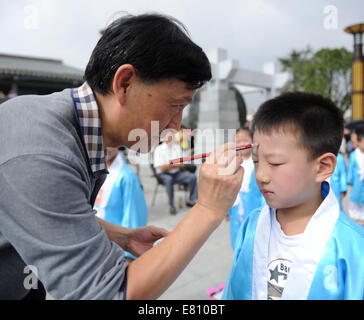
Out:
{"x": 252, "y": 31}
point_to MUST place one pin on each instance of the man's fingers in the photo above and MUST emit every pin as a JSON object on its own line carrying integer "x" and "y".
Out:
{"x": 218, "y": 152}
{"x": 233, "y": 165}
{"x": 158, "y": 232}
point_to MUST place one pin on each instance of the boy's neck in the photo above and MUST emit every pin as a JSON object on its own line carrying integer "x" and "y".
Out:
{"x": 294, "y": 220}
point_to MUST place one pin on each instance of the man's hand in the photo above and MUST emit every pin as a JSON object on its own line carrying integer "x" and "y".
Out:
{"x": 136, "y": 241}
{"x": 220, "y": 180}
{"x": 142, "y": 239}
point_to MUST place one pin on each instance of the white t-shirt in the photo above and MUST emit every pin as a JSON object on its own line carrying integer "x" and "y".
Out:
{"x": 282, "y": 250}
{"x": 163, "y": 154}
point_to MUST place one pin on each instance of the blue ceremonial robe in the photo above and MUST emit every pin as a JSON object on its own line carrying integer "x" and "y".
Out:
{"x": 330, "y": 265}
{"x": 355, "y": 179}
{"x": 247, "y": 201}
{"x": 338, "y": 181}
{"x": 125, "y": 203}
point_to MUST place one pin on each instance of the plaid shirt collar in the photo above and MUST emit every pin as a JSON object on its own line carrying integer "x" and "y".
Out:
{"x": 87, "y": 113}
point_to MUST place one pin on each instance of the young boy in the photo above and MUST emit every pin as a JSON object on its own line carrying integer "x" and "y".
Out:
{"x": 300, "y": 245}
{"x": 356, "y": 177}
{"x": 249, "y": 197}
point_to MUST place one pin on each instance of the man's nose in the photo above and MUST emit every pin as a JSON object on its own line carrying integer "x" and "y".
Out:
{"x": 175, "y": 122}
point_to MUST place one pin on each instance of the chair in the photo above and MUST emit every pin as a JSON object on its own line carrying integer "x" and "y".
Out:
{"x": 181, "y": 186}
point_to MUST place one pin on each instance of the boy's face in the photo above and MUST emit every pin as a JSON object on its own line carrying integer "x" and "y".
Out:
{"x": 284, "y": 175}
{"x": 360, "y": 144}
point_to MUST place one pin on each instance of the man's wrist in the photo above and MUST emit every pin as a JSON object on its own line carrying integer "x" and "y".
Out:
{"x": 118, "y": 234}
{"x": 212, "y": 214}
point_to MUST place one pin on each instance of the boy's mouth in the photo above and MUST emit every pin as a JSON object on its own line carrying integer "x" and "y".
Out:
{"x": 266, "y": 192}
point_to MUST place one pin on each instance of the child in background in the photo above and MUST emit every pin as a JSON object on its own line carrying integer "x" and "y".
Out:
{"x": 356, "y": 177}
{"x": 121, "y": 199}
{"x": 249, "y": 197}
{"x": 300, "y": 245}
{"x": 338, "y": 181}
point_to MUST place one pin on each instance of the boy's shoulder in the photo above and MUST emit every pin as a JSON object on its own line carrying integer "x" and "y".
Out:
{"x": 352, "y": 155}
{"x": 349, "y": 229}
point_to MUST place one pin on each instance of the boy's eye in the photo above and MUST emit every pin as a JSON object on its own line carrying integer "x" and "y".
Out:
{"x": 276, "y": 164}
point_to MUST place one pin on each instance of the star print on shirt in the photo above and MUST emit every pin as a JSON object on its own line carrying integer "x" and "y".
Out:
{"x": 274, "y": 274}
{"x": 277, "y": 276}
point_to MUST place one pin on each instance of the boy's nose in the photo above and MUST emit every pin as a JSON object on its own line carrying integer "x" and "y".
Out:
{"x": 261, "y": 176}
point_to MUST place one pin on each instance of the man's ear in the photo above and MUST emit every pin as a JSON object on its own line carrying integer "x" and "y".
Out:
{"x": 121, "y": 82}
{"x": 326, "y": 164}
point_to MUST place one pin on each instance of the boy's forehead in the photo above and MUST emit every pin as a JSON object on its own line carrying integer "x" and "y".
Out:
{"x": 275, "y": 141}
{"x": 282, "y": 131}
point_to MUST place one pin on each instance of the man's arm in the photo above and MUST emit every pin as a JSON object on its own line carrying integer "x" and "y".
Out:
{"x": 45, "y": 215}
{"x": 118, "y": 234}
{"x": 136, "y": 241}
{"x": 167, "y": 167}
{"x": 152, "y": 273}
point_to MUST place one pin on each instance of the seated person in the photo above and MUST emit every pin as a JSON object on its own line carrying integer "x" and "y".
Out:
{"x": 121, "y": 199}
{"x": 300, "y": 245}
{"x": 173, "y": 173}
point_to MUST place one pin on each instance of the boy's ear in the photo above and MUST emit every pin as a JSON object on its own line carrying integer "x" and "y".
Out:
{"x": 326, "y": 164}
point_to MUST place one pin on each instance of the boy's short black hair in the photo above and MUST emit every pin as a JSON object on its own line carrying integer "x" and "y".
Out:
{"x": 317, "y": 119}
{"x": 359, "y": 130}
{"x": 156, "y": 45}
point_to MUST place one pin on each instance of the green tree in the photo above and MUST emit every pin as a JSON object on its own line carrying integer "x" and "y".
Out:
{"x": 326, "y": 72}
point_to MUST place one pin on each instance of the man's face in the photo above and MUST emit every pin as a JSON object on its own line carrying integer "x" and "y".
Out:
{"x": 162, "y": 102}
{"x": 283, "y": 172}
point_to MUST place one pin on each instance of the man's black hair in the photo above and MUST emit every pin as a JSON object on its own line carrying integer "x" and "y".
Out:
{"x": 157, "y": 46}
{"x": 359, "y": 130}
{"x": 317, "y": 120}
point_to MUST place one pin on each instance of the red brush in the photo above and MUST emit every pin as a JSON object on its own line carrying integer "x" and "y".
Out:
{"x": 205, "y": 155}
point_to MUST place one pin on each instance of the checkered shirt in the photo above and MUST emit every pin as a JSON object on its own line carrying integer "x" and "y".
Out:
{"x": 87, "y": 112}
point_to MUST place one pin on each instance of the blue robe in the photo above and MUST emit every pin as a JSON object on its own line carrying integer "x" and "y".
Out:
{"x": 330, "y": 268}
{"x": 125, "y": 204}
{"x": 338, "y": 179}
{"x": 354, "y": 179}
{"x": 246, "y": 202}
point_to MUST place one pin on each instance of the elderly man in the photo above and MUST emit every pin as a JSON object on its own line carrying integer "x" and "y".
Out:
{"x": 52, "y": 164}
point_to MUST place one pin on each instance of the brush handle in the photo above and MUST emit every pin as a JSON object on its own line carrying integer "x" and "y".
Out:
{"x": 205, "y": 155}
